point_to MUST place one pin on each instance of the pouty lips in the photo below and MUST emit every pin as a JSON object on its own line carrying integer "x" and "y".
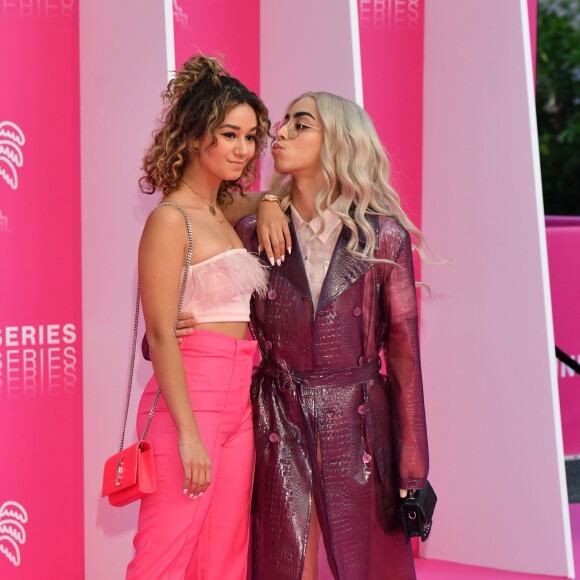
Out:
{"x": 240, "y": 163}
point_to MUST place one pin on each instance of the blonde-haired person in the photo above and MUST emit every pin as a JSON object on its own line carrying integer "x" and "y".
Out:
{"x": 337, "y": 443}
{"x": 196, "y": 523}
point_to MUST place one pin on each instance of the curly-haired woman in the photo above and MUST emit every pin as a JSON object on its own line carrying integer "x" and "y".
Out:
{"x": 196, "y": 524}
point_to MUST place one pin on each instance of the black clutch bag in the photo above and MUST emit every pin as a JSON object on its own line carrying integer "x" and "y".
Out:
{"x": 416, "y": 512}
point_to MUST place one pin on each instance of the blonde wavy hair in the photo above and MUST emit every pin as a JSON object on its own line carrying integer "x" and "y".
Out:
{"x": 353, "y": 162}
{"x": 196, "y": 103}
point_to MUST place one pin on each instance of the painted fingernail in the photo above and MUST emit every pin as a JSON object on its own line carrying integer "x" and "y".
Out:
{"x": 184, "y": 491}
{"x": 289, "y": 250}
{"x": 283, "y": 257}
{"x": 279, "y": 262}
{"x": 272, "y": 261}
{"x": 191, "y": 496}
{"x": 259, "y": 248}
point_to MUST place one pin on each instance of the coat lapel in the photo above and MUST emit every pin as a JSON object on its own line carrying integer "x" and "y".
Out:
{"x": 292, "y": 267}
{"x": 344, "y": 269}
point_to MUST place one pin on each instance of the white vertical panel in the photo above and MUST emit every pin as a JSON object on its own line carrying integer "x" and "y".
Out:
{"x": 169, "y": 39}
{"x": 356, "y": 53}
{"x": 307, "y": 46}
{"x": 123, "y": 71}
{"x": 487, "y": 339}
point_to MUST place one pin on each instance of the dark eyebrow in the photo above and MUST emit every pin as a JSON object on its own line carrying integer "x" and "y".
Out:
{"x": 236, "y": 128}
{"x": 300, "y": 114}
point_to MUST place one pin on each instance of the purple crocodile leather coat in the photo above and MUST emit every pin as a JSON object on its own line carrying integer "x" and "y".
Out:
{"x": 320, "y": 381}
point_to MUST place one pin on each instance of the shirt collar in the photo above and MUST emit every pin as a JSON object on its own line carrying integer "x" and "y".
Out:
{"x": 331, "y": 219}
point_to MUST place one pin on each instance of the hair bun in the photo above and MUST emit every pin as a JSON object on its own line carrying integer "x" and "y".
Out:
{"x": 196, "y": 70}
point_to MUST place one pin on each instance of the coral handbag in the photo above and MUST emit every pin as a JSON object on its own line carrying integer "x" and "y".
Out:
{"x": 129, "y": 475}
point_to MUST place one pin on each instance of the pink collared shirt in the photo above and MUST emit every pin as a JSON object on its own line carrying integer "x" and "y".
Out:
{"x": 316, "y": 248}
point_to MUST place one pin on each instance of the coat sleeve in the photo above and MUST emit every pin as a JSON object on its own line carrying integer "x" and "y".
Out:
{"x": 246, "y": 229}
{"x": 401, "y": 349}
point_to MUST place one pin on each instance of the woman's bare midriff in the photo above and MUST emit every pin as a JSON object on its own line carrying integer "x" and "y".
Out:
{"x": 235, "y": 329}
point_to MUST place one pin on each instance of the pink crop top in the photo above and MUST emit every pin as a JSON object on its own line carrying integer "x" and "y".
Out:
{"x": 219, "y": 288}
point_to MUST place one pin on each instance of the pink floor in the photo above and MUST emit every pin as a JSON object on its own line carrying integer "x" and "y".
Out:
{"x": 439, "y": 570}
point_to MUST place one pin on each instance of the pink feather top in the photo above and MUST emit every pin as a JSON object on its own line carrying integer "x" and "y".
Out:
{"x": 219, "y": 288}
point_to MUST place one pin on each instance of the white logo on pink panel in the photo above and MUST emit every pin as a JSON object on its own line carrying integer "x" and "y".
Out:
{"x": 179, "y": 15}
{"x": 13, "y": 516}
{"x": 11, "y": 158}
{"x": 397, "y": 13}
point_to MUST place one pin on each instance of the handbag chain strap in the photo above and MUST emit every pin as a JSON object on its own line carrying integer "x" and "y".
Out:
{"x": 136, "y": 328}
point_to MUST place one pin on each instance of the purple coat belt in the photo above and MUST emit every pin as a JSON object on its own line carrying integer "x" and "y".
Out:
{"x": 287, "y": 379}
{"x": 319, "y": 393}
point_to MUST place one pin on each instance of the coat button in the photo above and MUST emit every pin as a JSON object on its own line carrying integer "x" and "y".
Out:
{"x": 357, "y": 311}
{"x": 272, "y": 294}
{"x": 366, "y": 458}
{"x": 268, "y": 345}
{"x": 273, "y": 437}
{"x": 361, "y": 409}
{"x": 361, "y": 361}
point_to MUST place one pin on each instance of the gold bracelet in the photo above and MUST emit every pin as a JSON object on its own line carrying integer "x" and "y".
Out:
{"x": 270, "y": 197}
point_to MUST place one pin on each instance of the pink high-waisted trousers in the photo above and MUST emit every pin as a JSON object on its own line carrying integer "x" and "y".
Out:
{"x": 204, "y": 538}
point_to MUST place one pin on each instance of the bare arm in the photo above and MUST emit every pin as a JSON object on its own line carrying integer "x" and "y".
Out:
{"x": 272, "y": 227}
{"x": 161, "y": 255}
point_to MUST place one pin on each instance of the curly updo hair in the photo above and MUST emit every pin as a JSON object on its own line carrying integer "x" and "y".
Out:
{"x": 196, "y": 103}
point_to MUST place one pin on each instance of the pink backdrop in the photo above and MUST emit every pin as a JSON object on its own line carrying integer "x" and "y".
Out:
{"x": 220, "y": 27}
{"x": 563, "y": 240}
{"x": 391, "y": 40}
{"x": 533, "y": 17}
{"x": 393, "y": 92}
{"x": 40, "y": 315}
{"x": 41, "y": 487}
{"x": 487, "y": 328}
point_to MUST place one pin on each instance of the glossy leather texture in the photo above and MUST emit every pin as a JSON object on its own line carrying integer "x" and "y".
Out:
{"x": 319, "y": 384}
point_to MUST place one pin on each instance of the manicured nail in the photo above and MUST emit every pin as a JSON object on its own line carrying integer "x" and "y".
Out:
{"x": 259, "y": 249}
{"x": 289, "y": 250}
{"x": 184, "y": 491}
{"x": 279, "y": 262}
{"x": 283, "y": 257}
{"x": 272, "y": 261}
{"x": 191, "y": 496}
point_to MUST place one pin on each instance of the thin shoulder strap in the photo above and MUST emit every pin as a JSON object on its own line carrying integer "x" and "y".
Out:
{"x": 136, "y": 328}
